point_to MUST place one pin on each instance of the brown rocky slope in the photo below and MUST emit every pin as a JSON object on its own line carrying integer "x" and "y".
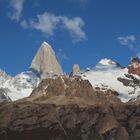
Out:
{"x": 69, "y": 109}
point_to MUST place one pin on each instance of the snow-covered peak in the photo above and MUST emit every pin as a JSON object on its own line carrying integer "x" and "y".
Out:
{"x": 107, "y": 61}
{"x": 107, "y": 64}
{"x": 18, "y": 87}
{"x": 4, "y": 77}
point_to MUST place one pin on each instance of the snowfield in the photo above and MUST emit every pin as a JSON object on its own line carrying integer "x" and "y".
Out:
{"x": 19, "y": 86}
{"x": 104, "y": 75}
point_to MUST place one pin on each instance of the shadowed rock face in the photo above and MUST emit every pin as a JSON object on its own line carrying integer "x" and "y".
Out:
{"x": 69, "y": 109}
{"x": 70, "y": 122}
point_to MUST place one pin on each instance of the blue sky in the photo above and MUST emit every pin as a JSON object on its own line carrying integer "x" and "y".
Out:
{"x": 80, "y": 31}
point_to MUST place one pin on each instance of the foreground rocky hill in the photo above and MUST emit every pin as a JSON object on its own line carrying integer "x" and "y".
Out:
{"x": 69, "y": 109}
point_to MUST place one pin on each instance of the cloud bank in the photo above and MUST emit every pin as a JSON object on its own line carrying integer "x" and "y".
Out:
{"x": 132, "y": 42}
{"x": 48, "y": 23}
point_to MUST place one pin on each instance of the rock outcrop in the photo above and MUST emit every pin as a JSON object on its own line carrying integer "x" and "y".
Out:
{"x": 45, "y": 62}
{"x": 65, "y": 91}
{"x": 75, "y": 70}
{"x": 134, "y": 66}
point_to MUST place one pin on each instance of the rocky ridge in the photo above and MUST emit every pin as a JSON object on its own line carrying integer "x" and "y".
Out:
{"x": 107, "y": 75}
{"x": 69, "y": 109}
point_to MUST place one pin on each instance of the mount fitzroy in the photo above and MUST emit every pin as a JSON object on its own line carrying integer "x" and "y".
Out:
{"x": 43, "y": 103}
{"x": 44, "y": 65}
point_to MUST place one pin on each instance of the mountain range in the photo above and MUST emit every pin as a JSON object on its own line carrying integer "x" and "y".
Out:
{"x": 107, "y": 75}
{"x": 99, "y": 103}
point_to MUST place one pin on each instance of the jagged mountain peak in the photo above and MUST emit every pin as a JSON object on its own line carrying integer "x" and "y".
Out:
{"x": 134, "y": 66}
{"x": 20, "y": 86}
{"x": 135, "y": 60}
{"x": 45, "y": 62}
{"x": 75, "y": 70}
{"x": 46, "y": 47}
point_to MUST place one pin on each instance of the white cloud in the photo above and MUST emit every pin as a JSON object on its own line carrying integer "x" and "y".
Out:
{"x": 132, "y": 42}
{"x": 128, "y": 41}
{"x": 48, "y": 23}
{"x": 74, "y": 26}
{"x": 17, "y": 7}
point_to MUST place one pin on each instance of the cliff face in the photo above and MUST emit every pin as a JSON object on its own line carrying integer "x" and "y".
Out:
{"x": 69, "y": 109}
{"x": 59, "y": 122}
{"x": 45, "y": 62}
